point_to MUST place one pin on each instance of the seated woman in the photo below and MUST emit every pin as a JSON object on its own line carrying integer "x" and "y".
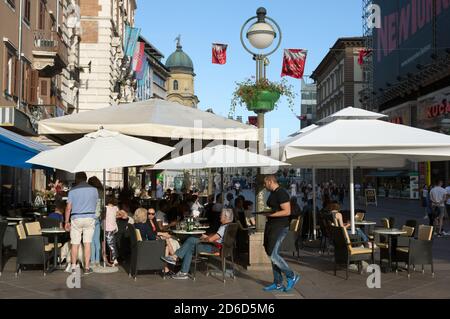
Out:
{"x": 187, "y": 250}
{"x": 339, "y": 221}
{"x": 148, "y": 227}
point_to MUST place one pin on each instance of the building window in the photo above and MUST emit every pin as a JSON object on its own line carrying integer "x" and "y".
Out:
{"x": 10, "y": 75}
{"x": 175, "y": 85}
{"x": 159, "y": 80}
{"x": 41, "y": 15}
{"x": 27, "y": 13}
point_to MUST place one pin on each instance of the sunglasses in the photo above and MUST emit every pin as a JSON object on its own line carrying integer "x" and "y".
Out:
{"x": 151, "y": 213}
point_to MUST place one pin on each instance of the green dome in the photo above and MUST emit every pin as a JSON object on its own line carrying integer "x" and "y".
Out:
{"x": 180, "y": 60}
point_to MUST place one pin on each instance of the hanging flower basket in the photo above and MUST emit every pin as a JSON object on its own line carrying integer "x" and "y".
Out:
{"x": 262, "y": 96}
{"x": 264, "y": 101}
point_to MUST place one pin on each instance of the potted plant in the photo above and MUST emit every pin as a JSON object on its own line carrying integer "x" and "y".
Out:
{"x": 261, "y": 96}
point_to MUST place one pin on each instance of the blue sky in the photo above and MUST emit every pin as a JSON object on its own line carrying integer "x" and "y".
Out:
{"x": 311, "y": 25}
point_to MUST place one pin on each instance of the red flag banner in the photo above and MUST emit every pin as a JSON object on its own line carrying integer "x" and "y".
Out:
{"x": 362, "y": 54}
{"x": 219, "y": 53}
{"x": 294, "y": 63}
{"x": 253, "y": 120}
{"x": 138, "y": 57}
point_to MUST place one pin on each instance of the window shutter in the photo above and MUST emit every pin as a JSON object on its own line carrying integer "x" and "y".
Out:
{"x": 15, "y": 88}
{"x": 44, "y": 90}
{"x": 34, "y": 87}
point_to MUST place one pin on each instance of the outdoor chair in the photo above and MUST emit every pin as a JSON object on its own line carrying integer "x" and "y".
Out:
{"x": 291, "y": 241}
{"x": 226, "y": 251}
{"x": 145, "y": 254}
{"x": 346, "y": 251}
{"x": 31, "y": 250}
{"x": 403, "y": 240}
{"x": 412, "y": 223}
{"x": 359, "y": 217}
{"x": 419, "y": 251}
{"x": 326, "y": 239}
{"x": 3, "y": 227}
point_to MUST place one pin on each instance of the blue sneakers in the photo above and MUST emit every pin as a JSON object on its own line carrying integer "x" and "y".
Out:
{"x": 273, "y": 287}
{"x": 291, "y": 283}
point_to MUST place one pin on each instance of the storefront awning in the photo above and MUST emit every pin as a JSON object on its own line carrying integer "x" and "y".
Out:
{"x": 15, "y": 149}
{"x": 388, "y": 174}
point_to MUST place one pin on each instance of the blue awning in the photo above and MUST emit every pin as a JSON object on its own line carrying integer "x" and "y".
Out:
{"x": 15, "y": 149}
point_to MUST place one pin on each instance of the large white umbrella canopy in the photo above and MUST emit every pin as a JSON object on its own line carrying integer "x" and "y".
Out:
{"x": 102, "y": 150}
{"x": 219, "y": 156}
{"x": 151, "y": 118}
{"x": 354, "y": 137}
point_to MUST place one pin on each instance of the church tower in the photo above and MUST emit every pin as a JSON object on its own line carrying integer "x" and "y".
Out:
{"x": 181, "y": 81}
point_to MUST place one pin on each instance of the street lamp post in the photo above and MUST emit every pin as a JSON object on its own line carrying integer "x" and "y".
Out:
{"x": 261, "y": 35}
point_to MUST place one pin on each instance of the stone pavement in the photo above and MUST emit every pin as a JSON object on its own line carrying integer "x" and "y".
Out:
{"x": 317, "y": 277}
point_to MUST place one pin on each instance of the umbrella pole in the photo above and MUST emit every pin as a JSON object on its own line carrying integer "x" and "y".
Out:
{"x": 314, "y": 201}
{"x": 352, "y": 197}
{"x": 221, "y": 182}
{"x": 104, "y": 227}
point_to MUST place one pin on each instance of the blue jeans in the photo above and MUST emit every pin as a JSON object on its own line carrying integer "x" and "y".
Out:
{"x": 186, "y": 251}
{"x": 95, "y": 244}
{"x": 279, "y": 265}
{"x": 360, "y": 233}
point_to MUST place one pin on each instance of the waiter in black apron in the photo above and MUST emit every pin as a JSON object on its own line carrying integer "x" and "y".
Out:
{"x": 277, "y": 227}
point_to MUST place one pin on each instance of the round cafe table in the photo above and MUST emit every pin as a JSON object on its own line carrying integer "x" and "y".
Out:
{"x": 56, "y": 231}
{"x": 389, "y": 232}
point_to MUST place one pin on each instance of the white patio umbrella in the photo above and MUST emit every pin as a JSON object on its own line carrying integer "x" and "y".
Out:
{"x": 219, "y": 156}
{"x": 102, "y": 150}
{"x": 355, "y": 137}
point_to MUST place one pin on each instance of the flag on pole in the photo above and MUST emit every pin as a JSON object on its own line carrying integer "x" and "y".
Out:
{"x": 294, "y": 63}
{"x": 131, "y": 38}
{"x": 219, "y": 53}
{"x": 138, "y": 57}
{"x": 140, "y": 75}
{"x": 362, "y": 54}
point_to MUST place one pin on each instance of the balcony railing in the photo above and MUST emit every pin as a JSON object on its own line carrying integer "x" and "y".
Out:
{"x": 51, "y": 41}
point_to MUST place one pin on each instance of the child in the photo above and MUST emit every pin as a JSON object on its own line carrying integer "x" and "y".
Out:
{"x": 58, "y": 214}
{"x": 111, "y": 227}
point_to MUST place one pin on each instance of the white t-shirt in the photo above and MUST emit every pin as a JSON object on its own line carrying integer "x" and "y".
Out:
{"x": 438, "y": 196}
{"x": 448, "y": 192}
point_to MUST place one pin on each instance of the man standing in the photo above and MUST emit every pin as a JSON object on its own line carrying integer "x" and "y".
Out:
{"x": 277, "y": 227}
{"x": 438, "y": 197}
{"x": 80, "y": 218}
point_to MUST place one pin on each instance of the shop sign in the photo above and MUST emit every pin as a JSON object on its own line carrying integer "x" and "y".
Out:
{"x": 438, "y": 109}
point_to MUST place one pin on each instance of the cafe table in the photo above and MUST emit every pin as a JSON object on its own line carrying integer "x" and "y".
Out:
{"x": 187, "y": 233}
{"x": 55, "y": 231}
{"x": 389, "y": 232}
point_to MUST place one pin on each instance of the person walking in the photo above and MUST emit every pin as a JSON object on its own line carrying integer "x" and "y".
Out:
{"x": 80, "y": 218}
{"x": 438, "y": 197}
{"x": 277, "y": 227}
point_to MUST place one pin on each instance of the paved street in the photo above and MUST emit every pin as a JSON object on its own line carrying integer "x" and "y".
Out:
{"x": 317, "y": 279}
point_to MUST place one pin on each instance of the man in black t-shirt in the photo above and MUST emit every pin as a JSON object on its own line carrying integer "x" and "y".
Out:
{"x": 277, "y": 227}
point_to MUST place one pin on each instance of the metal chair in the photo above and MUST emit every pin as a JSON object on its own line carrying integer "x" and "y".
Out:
{"x": 419, "y": 251}
{"x": 226, "y": 251}
{"x": 291, "y": 241}
{"x": 345, "y": 253}
{"x": 31, "y": 250}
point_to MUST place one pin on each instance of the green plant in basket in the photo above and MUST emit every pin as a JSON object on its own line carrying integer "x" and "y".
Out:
{"x": 261, "y": 96}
